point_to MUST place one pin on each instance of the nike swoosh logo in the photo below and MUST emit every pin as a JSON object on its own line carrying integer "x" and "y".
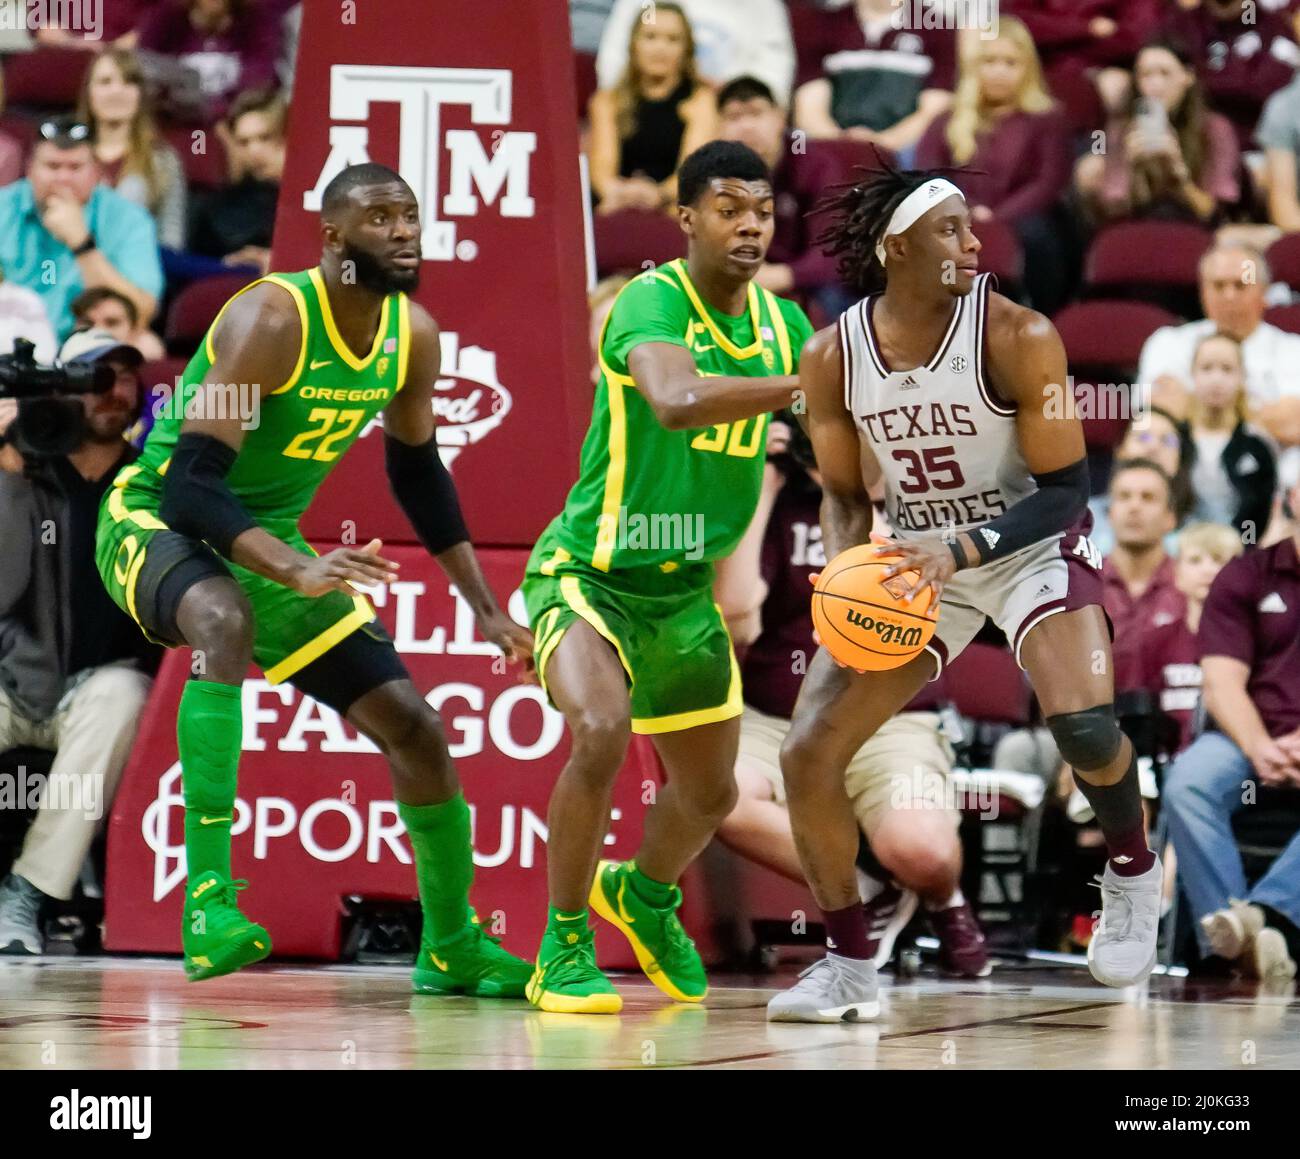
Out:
{"x": 702, "y": 349}
{"x": 622, "y": 910}
{"x": 214, "y": 820}
{"x": 317, "y": 365}
{"x": 437, "y": 961}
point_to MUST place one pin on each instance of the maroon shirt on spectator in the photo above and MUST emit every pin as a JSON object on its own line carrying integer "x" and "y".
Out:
{"x": 1171, "y": 670}
{"x": 798, "y": 181}
{"x": 792, "y": 551}
{"x": 1241, "y": 65}
{"x": 1060, "y": 30}
{"x": 229, "y": 62}
{"x": 1134, "y": 619}
{"x": 1023, "y": 163}
{"x": 119, "y": 18}
{"x": 1252, "y": 614}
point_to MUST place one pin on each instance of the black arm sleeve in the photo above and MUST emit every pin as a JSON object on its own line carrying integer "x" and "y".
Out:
{"x": 424, "y": 488}
{"x": 1062, "y": 496}
{"x": 195, "y": 499}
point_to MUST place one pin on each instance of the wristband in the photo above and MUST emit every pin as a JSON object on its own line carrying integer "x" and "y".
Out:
{"x": 86, "y": 246}
{"x": 958, "y": 555}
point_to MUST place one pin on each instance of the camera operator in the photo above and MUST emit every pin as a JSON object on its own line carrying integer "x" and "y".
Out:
{"x": 74, "y": 670}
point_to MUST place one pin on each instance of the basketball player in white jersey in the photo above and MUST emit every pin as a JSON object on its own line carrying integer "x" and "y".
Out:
{"x": 953, "y": 393}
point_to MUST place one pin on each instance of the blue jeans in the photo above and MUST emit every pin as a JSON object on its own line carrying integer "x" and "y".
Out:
{"x": 1203, "y": 791}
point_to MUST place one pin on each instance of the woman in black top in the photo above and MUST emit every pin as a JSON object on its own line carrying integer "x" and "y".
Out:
{"x": 657, "y": 114}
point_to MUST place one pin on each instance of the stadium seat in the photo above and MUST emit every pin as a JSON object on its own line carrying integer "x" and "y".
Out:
{"x": 162, "y": 371}
{"x": 584, "y": 75}
{"x": 204, "y": 169}
{"x": 195, "y": 308}
{"x": 1002, "y": 253}
{"x": 1284, "y": 260}
{"x": 48, "y": 78}
{"x": 1079, "y": 99}
{"x": 1150, "y": 260}
{"x": 1103, "y": 342}
{"x": 1284, "y": 318}
{"x": 633, "y": 240}
{"x": 985, "y": 684}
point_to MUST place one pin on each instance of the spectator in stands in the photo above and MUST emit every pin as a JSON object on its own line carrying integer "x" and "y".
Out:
{"x": 61, "y": 231}
{"x": 1098, "y": 38}
{"x": 1234, "y": 286}
{"x": 290, "y": 34}
{"x": 731, "y": 37}
{"x": 1250, "y": 654}
{"x": 1138, "y": 588}
{"x": 105, "y": 309}
{"x": 864, "y": 75}
{"x": 1166, "y": 155}
{"x": 658, "y": 113}
{"x": 795, "y": 263}
{"x": 1171, "y": 657}
{"x": 120, "y": 27}
{"x": 1166, "y": 441}
{"x": 897, "y": 781}
{"x": 1005, "y": 127}
{"x": 1279, "y": 136}
{"x": 236, "y": 222}
{"x": 74, "y": 669}
{"x": 11, "y": 149}
{"x": 1242, "y": 54}
{"x": 1234, "y": 472}
{"x": 133, "y": 158}
{"x": 22, "y": 315}
{"x": 231, "y": 45}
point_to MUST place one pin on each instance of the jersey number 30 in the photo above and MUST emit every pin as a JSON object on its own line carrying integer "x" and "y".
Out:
{"x": 331, "y": 427}
{"x": 732, "y": 438}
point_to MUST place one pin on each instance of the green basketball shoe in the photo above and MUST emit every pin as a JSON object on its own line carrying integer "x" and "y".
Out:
{"x": 216, "y": 937}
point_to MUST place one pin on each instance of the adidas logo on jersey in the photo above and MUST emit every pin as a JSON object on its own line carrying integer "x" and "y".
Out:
{"x": 909, "y": 383}
{"x": 991, "y": 537}
{"x": 1045, "y": 590}
{"x": 1273, "y": 603}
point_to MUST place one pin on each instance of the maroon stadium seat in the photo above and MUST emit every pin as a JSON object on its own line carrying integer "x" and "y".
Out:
{"x": 633, "y": 240}
{"x": 161, "y": 372}
{"x": 1284, "y": 260}
{"x": 985, "y": 683}
{"x": 203, "y": 170}
{"x": 584, "y": 74}
{"x": 1079, "y": 99}
{"x": 1103, "y": 342}
{"x": 1284, "y": 318}
{"x": 195, "y": 307}
{"x": 1001, "y": 253}
{"x": 47, "y": 78}
{"x": 1137, "y": 254}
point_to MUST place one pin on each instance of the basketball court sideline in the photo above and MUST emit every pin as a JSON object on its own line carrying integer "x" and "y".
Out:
{"x": 140, "y": 1013}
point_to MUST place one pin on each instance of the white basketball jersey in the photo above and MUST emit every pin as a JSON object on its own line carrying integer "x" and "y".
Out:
{"x": 945, "y": 442}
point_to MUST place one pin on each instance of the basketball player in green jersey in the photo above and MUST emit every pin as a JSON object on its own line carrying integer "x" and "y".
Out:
{"x": 619, "y": 587}
{"x": 199, "y": 542}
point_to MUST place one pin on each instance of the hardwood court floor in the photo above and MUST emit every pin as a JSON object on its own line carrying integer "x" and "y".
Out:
{"x": 142, "y": 1014}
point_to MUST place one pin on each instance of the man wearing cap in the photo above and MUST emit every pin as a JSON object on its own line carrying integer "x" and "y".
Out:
{"x": 74, "y": 670}
{"x": 62, "y": 231}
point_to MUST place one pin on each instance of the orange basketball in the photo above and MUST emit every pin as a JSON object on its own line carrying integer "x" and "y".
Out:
{"x": 862, "y": 621}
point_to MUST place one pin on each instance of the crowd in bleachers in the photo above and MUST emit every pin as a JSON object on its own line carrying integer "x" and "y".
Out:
{"x": 1132, "y": 167}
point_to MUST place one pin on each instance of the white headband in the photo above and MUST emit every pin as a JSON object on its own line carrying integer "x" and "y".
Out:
{"x": 914, "y": 206}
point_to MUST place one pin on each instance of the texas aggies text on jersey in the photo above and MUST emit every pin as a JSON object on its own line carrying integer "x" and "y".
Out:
{"x": 945, "y": 441}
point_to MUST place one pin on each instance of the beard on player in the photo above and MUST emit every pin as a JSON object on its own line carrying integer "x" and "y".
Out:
{"x": 377, "y": 272}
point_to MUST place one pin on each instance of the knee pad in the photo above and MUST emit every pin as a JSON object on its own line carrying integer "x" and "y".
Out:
{"x": 1088, "y": 740}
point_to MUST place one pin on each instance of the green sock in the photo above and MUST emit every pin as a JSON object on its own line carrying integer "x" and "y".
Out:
{"x": 559, "y": 921}
{"x": 444, "y": 863}
{"x": 209, "y": 732}
{"x": 654, "y": 893}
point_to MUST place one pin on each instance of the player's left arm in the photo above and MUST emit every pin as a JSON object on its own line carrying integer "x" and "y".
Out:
{"x": 424, "y": 488}
{"x": 1027, "y": 366}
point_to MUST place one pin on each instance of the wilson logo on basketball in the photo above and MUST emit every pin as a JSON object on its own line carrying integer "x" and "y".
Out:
{"x": 888, "y": 633}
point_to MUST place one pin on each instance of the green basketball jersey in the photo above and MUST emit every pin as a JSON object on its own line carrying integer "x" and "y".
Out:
{"x": 646, "y": 495}
{"x": 302, "y": 428}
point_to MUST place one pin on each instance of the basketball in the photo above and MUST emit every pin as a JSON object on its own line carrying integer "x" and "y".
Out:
{"x": 861, "y": 618}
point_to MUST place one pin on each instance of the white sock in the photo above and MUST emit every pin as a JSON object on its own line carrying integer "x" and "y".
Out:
{"x": 955, "y": 899}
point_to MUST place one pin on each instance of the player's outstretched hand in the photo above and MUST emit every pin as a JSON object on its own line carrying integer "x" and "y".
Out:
{"x": 345, "y": 569}
{"x": 930, "y": 557}
{"x": 513, "y": 639}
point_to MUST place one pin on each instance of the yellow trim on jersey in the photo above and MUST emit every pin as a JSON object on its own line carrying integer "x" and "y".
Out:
{"x": 132, "y": 577}
{"x": 336, "y": 339}
{"x": 301, "y": 303}
{"x": 362, "y": 613}
{"x": 782, "y": 333}
{"x": 729, "y": 347}
{"x": 734, "y": 705}
{"x": 560, "y": 556}
{"x": 615, "y": 477}
{"x": 403, "y": 339}
{"x": 571, "y": 590}
{"x": 120, "y": 512}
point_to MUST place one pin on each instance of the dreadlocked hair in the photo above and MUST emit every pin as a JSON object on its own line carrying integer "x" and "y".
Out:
{"x": 859, "y": 212}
